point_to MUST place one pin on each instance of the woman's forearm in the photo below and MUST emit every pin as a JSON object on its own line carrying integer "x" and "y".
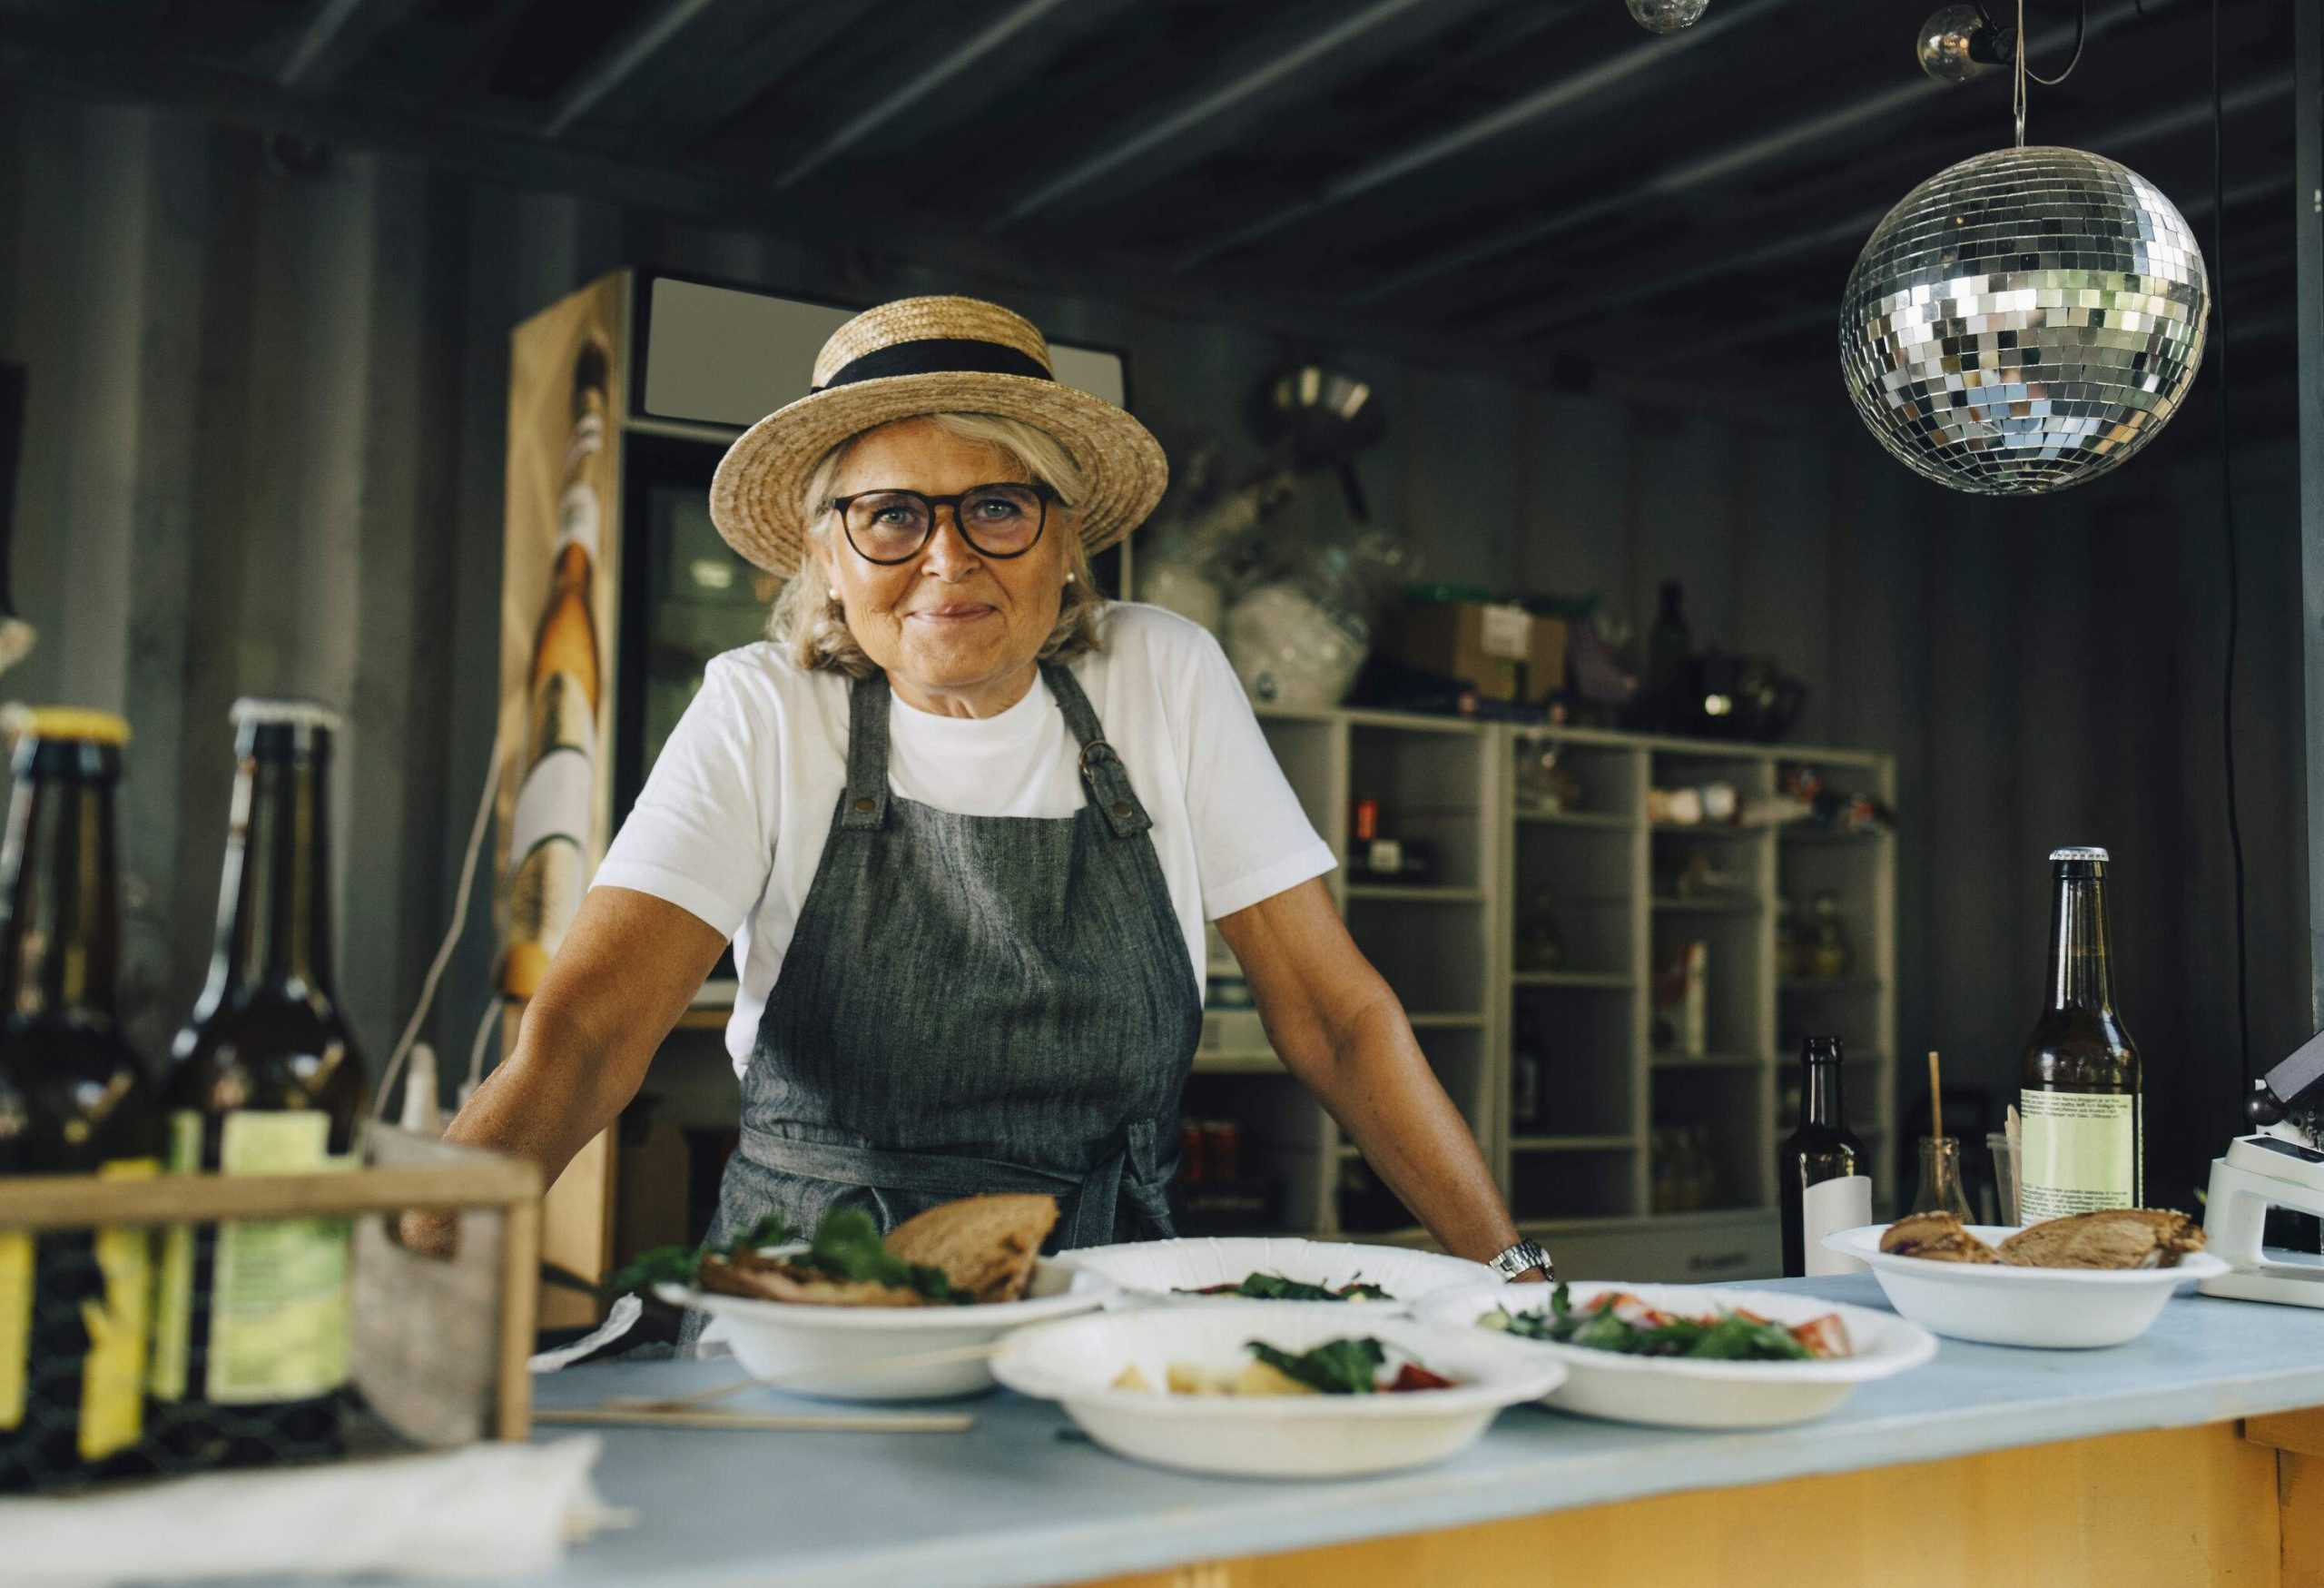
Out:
{"x": 1378, "y": 1084}
{"x": 557, "y": 1091}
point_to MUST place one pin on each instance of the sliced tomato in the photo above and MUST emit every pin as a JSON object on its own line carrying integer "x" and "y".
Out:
{"x": 1412, "y": 1375}
{"x": 1825, "y": 1336}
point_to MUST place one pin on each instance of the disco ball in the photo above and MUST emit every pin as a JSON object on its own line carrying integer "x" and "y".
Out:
{"x": 2024, "y": 321}
{"x": 1668, "y": 16}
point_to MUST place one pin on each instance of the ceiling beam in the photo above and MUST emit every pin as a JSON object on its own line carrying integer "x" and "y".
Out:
{"x": 1572, "y": 310}
{"x": 1690, "y": 174}
{"x": 1562, "y": 95}
{"x": 1241, "y": 92}
{"x": 622, "y": 62}
{"x": 336, "y": 34}
{"x": 912, "y": 94}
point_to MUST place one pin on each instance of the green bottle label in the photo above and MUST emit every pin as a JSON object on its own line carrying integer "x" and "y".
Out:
{"x": 2080, "y": 1153}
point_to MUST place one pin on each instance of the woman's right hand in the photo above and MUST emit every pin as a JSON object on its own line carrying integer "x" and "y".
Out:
{"x": 432, "y": 1233}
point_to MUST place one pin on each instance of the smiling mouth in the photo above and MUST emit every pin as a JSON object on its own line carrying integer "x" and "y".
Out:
{"x": 965, "y": 612}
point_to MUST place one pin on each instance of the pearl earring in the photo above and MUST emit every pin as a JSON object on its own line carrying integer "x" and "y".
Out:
{"x": 1070, "y": 577}
{"x": 834, "y": 592}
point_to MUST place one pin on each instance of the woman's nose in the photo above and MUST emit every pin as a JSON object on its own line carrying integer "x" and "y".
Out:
{"x": 949, "y": 553}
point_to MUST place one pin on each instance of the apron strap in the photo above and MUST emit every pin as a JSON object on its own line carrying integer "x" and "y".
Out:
{"x": 1103, "y": 775}
{"x": 865, "y": 803}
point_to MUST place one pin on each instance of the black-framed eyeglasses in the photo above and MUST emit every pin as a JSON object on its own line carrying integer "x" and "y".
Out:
{"x": 999, "y": 520}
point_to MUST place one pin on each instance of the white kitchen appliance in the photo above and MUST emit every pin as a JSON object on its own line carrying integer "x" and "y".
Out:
{"x": 2279, "y": 1165}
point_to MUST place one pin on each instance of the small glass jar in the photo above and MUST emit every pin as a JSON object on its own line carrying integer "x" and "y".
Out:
{"x": 1941, "y": 1188}
{"x": 1827, "y": 954}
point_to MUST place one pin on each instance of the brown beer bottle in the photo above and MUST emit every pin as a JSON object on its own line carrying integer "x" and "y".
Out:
{"x": 2085, "y": 1137}
{"x": 75, "y": 1100}
{"x": 250, "y": 1350}
{"x": 549, "y": 829}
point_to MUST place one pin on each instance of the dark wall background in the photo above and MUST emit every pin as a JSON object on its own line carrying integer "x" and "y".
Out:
{"x": 268, "y": 412}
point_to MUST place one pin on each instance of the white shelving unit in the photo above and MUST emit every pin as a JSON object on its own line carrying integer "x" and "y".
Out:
{"x": 1582, "y": 1175}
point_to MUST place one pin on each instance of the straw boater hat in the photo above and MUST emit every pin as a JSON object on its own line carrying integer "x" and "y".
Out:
{"x": 922, "y": 356}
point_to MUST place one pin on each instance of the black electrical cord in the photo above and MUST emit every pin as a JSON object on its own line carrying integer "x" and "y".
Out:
{"x": 2227, "y": 523}
{"x": 2081, "y": 34}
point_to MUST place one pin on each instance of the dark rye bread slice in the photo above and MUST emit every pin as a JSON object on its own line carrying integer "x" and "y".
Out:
{"x": 2113, "y": 1238}
{"x": 1938, "y": 1237}
{"x": 985, "y": 1245}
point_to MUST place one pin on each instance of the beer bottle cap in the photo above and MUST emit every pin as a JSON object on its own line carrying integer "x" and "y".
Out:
{"x": 257, "y": 712}
{"x": 2079, "y": 852}
{"x": 1821, "y": 1049}
{"x": 64, "y": 722}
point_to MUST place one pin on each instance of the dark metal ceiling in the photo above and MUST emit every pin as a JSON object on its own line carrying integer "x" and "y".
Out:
{"x": 1535, "y": 185}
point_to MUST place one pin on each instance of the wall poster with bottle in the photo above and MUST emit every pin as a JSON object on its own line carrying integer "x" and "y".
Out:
{"x": 558, "y": 612}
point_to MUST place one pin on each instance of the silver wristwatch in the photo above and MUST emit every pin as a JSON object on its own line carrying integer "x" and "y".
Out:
{"x": 1520, "y": 1258}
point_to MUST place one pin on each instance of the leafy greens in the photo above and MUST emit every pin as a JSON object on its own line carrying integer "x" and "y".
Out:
{"x": 846, "y": 1245}
{"x": 1275, "y": 1288}
{"x": 1725, "y": 1336}
{"x": 1334, "y": 1367}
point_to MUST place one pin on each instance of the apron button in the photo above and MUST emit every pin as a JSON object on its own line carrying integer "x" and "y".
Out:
{"x": 1121, "y": 810}
{"x": 862, "y": 807}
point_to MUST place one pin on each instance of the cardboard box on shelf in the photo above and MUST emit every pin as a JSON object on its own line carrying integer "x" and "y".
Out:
{"x": 1501, "y": 649}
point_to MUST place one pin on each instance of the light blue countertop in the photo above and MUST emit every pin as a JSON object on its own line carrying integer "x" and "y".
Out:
{"x": 1023, "y": 1500}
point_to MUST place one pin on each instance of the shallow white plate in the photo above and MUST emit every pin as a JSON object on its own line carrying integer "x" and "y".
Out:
{"x": 1997, "y": 1305}
{"x": 771, "y": 1339}
{"x": 1157, "y": 1271}
{"x": 1677, "y": 1393}
{"x": 1272, "y": 1437}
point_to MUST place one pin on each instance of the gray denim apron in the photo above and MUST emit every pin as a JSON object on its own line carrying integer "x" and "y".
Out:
{"x": 970, "y": 1004}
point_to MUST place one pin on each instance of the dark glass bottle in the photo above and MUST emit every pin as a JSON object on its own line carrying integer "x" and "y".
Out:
{"x": 75, "y": 1100}
{"x": 2083, "y": 1146}
{"x": 1667, "y": 645}
{"x": 1822, "y": 1150}
{"x": 252, "y": 1348}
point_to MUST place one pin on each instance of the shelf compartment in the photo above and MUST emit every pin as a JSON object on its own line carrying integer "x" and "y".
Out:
{"x": 1429, "y": 788}
{"x": 1709, "y": 905}
{"x": 1805, "y": 986}
{"x": 1607, "y": 981}
{"x": 1558, "y": 1185}
{"x": 1445, "y": 1022}
{"x": 1588, "y": 1085}
{"x": 1573, "y": 1143}
{"x": 1434, "y": 962}
{"x": 1729, "y": 1108}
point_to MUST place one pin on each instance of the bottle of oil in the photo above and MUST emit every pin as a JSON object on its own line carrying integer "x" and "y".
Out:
{"x": 75, "y": 1100}
{"x": 2084, "y": 1139}
{"x": 250, "y": 1350}
{"x": 549, "y": 857}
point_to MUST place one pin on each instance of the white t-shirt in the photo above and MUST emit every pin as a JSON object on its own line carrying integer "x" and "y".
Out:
{"x": 731, "y": 825}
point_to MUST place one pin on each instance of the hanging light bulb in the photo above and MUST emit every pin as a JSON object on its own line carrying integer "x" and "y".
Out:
{"x": 2025, "y": 320}
{"x": 1668, "y": 16}
{"x": 1957, "y": 43}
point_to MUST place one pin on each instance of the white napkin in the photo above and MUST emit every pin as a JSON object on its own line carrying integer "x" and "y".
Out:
{"x": 491, "y": 1510}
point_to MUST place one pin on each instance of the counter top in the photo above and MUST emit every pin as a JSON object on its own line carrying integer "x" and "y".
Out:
{"x": 1024, "y": 1499}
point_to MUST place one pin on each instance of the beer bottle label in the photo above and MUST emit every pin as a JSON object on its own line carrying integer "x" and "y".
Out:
{"x": 112, "y": 1374}
{"x": 173, "y": 1296}
{"x": 16, "y": 1322}
{"x": 279, "y": 1307}
{"x": 2079, "y": 1154}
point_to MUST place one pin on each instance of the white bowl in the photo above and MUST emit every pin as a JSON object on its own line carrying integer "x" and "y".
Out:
{"x": 1272, "y": 1437}
{"x": 774, "y": 1338}
{"x": 1161, "y": 1271}
{"x": 1997, "y": 1305}
{"x": 1676, "y": 1392}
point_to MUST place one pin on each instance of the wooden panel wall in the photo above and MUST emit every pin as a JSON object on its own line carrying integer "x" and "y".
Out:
{"x": 265, "y": 454}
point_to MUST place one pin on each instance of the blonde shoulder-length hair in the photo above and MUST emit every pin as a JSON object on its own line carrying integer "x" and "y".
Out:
{"x": 811, "y": 626}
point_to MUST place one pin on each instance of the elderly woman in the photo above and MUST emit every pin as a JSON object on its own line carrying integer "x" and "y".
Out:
{"x": 964, "y": 819}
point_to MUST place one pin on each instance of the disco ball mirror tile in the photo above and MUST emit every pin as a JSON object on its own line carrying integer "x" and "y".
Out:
{"x": 2024, "y": 321}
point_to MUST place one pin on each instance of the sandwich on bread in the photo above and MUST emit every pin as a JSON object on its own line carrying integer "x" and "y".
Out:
{"x": 980, "y": 1249}
{"x": 2113, "y": 1238}
{"x": 1938, "y": 1237}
